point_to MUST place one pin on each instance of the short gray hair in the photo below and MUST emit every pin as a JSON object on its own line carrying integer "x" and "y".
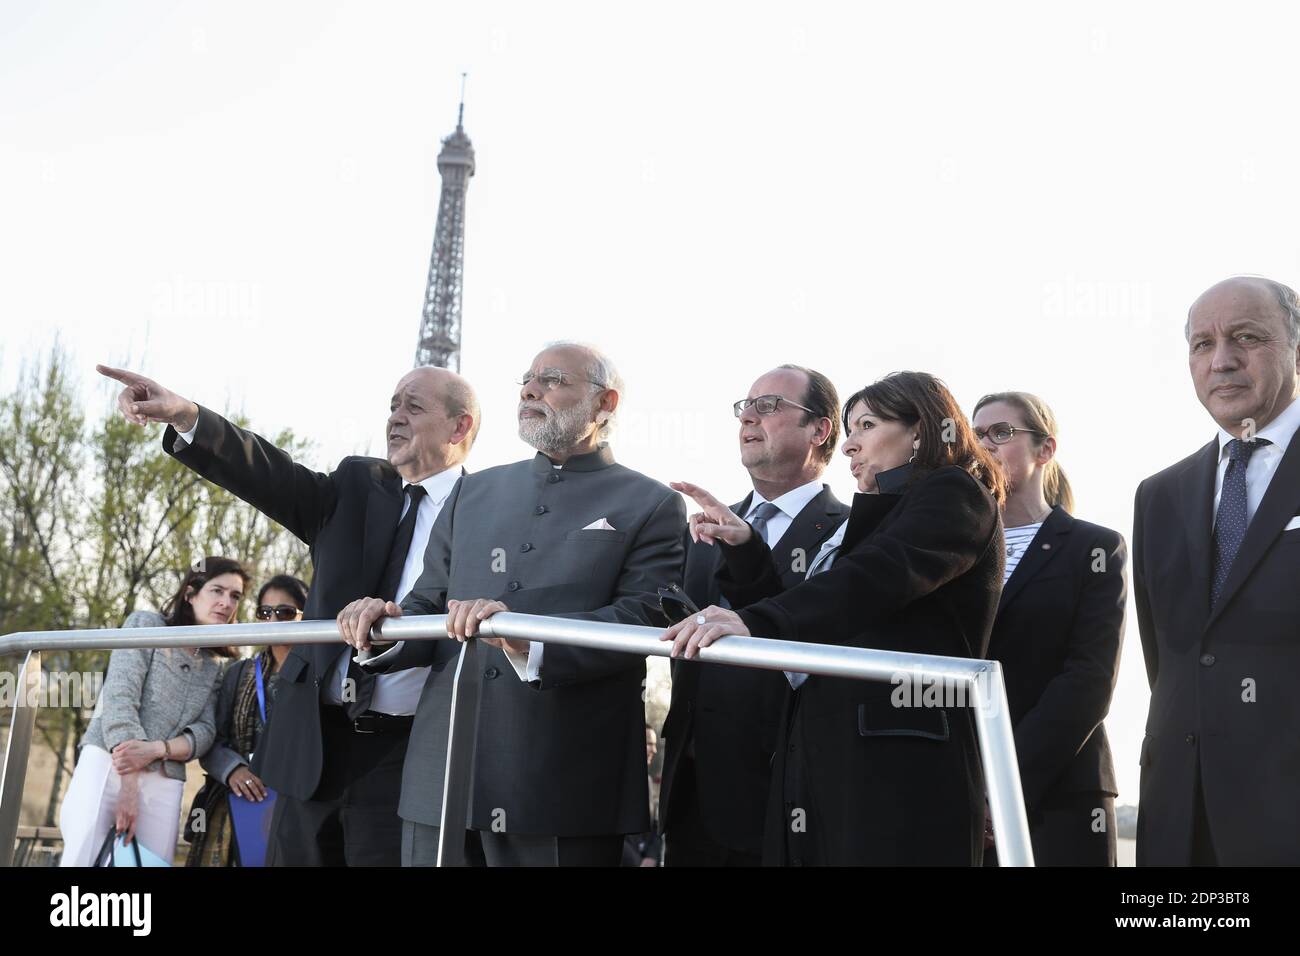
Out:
{"x": 458, "y": 399}
{"x": 600, "y": 372}
{"x": 1287, "y": 299}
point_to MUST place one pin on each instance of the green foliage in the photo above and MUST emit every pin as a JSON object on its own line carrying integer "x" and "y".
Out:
{"x": 96, "y": 521}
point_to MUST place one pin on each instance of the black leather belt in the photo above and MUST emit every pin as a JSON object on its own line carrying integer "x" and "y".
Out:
{"x": 373, "y": 722}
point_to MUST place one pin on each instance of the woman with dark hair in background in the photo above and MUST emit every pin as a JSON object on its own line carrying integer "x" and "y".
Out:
{"x": 244, "y": 705}
{"x": 1058, "y": 633}
{"x": 857, "y": 779}
{"x": 155, "y": 712}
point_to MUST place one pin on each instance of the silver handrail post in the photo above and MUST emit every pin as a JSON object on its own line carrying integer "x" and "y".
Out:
{"x": 997, "y": 741}
{"x": 457, "y": 782}
{"x": 17, "y": 750}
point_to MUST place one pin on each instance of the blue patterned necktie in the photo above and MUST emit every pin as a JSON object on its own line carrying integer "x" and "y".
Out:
{"x": 1230, "y": 522}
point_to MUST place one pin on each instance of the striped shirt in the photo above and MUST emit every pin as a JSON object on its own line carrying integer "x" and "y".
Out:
{"x": 1018, "y": 541}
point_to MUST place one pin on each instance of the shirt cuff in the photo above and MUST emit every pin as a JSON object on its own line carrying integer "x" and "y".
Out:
{"x": 370, "y": 658}
{"x": 188, "y": 437}
{"x": 527, "y": 666}
{"x": 194, "y": 745}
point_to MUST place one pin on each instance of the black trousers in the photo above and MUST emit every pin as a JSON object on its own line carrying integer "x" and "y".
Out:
{"x": 351, "y": 819}
{"x": 687, "y": 841}
{"x": 519, "y": 849}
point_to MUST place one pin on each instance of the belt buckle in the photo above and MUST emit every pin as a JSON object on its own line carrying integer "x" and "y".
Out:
{"x": 361, "y": 722}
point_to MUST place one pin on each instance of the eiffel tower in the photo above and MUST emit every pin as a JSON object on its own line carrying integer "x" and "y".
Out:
{"x": 440, "y": 324}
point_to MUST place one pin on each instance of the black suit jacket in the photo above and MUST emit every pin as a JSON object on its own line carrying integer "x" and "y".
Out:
{"x": 1058, "y": 633}
{"x": 920, "y": 572}
{"x": 1223, "y": 682}
{"x": 349, "y": 520}
{"x": 733, "y": 714}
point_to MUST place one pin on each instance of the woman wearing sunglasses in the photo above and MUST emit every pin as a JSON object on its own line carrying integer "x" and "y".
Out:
{"x": 863, "y": 776}
{"x": 244, "y": 705}
{"x": 1058, "y": 632}
{"x": 154, "y": 714}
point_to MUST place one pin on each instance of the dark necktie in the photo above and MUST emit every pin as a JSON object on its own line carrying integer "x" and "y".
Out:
{"x": 1230, "y": 521}
{"x": 363, "y": 680}
{"x": 401, "y": 546}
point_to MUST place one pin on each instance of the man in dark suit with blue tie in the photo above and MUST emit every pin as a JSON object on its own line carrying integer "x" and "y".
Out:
{"x": 1216, "y": 546}
{"x": 723, "y": 722}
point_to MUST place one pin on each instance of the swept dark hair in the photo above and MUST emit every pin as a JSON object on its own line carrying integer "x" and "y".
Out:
{"x": 822, "y": 398}
{"x": 918, "y": 399}
{"x": 177, "y": 610}
{"x": 296, "y": 588}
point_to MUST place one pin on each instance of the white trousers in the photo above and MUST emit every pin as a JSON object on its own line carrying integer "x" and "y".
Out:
{"x": 89, "y": 809}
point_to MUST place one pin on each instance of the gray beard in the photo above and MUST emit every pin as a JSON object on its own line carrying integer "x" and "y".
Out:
{"x": 557, "y": 432}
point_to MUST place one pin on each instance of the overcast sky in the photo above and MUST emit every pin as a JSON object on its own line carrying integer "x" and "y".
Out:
{"x": 238, "y": 199}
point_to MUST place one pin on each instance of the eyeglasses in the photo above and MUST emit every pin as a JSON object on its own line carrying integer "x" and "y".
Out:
{"x": 766, "y": 405}
{"x": 1000, "y": 432}
{"x": 553, "y": 378}
{"x": 281, "y": 612}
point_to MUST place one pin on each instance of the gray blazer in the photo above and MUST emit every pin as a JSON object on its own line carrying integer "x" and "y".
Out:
{"x": 156, "y": 694}
{"x": 565, "y": 755}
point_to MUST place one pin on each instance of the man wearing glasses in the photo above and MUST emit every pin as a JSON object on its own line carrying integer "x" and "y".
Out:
{"x": 559, "y": 763}
{"x": 333, "y": 750}
{"x": 723, "y": 723}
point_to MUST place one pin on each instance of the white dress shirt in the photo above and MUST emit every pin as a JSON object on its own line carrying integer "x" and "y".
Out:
{"x": 1263, "y": 461}
{"x": 790, "y": 504}
{"x": 397, "y": 693}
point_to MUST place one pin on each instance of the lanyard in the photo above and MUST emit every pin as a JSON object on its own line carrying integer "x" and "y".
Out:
{"x": 261, "y": 689}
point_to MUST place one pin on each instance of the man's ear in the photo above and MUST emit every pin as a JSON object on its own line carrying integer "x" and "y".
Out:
{"x": 464, "y": 425}
{"x": 608, "y": 405}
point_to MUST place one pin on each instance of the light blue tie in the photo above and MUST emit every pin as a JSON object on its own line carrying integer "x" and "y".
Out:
{"x": 761, "y": 515}
{"x": 764, "y": 513}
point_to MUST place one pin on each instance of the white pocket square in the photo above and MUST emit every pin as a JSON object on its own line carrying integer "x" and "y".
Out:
{"x": 1292, "y": 524}
{"x": 601, "y": 525}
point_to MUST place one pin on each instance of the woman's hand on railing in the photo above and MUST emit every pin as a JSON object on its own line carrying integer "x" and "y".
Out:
{"x": 701, "y": 630}
{"x": 128, "y": 806}
{"x": 144, "y": 400}
{"x": 132, "y": 755}
{"x": 357, "y": 618}
{"x": 715, "y": 521}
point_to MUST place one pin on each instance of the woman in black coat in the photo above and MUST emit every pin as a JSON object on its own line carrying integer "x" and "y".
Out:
{"x": 862, "y": 775}
{"x": 1058, "y": 633}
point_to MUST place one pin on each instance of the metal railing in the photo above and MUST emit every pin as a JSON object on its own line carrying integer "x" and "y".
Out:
{"x": 978, "y": 682}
